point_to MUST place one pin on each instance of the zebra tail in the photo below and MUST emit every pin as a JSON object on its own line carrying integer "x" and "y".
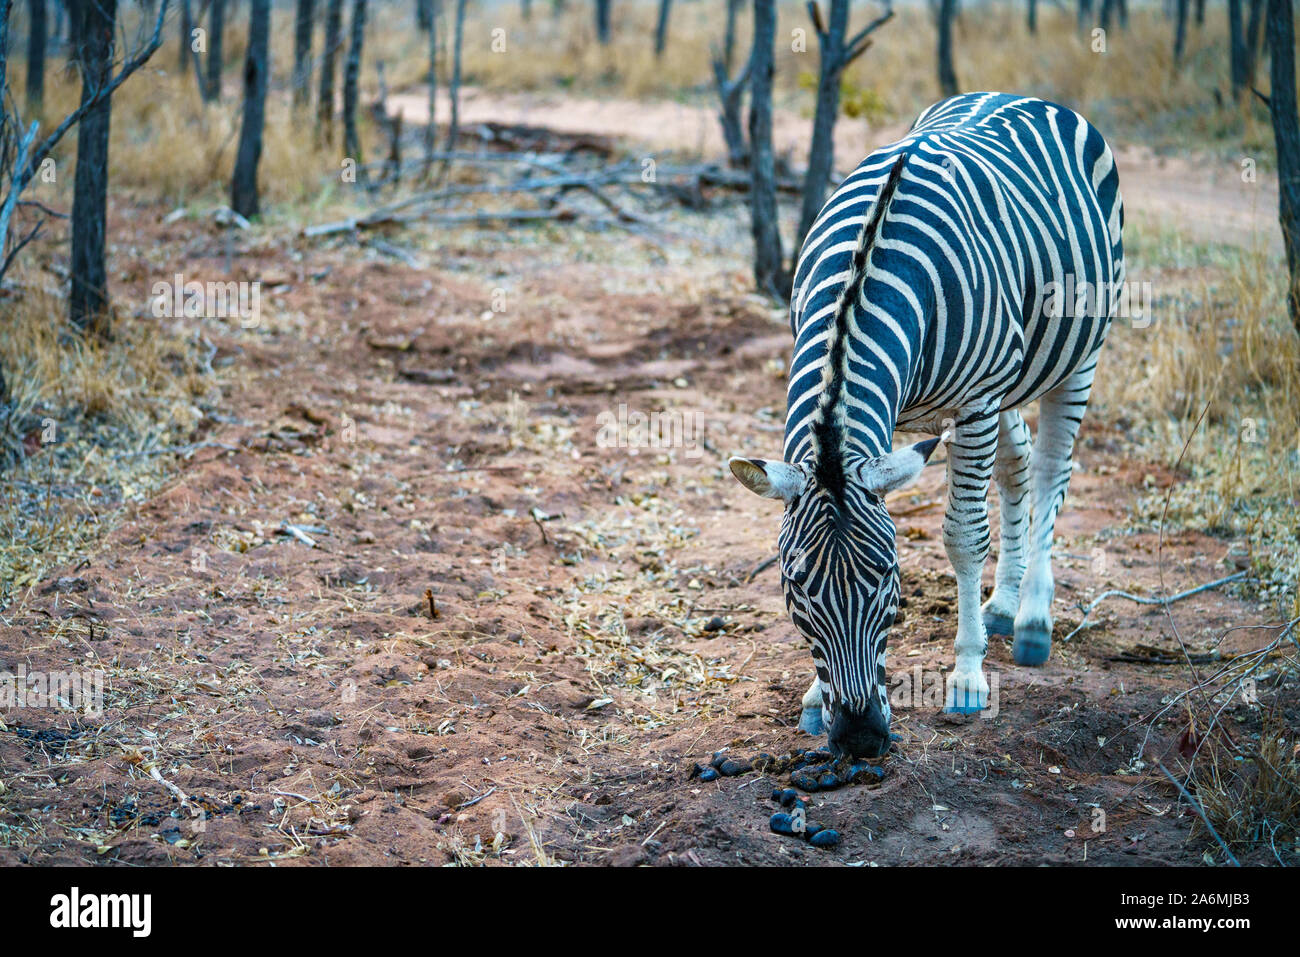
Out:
{"x": 828, "y": 429}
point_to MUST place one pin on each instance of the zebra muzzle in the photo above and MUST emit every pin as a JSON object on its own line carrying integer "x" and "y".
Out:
{"x": 860, "y": 733}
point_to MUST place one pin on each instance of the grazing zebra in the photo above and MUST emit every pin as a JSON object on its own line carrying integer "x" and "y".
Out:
{"x": 928, "y": 298}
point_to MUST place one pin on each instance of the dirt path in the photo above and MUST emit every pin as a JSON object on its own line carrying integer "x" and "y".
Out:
{"x": 595, "y": 631}
{"x": 1204, "y": 200}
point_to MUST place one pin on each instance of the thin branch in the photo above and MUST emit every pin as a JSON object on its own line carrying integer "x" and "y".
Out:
{"x": 1141, "y": 600}
{"x": 1197, "y": 808}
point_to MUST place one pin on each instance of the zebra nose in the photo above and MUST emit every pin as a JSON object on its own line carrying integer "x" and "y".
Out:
{"x": 860, "y": 733}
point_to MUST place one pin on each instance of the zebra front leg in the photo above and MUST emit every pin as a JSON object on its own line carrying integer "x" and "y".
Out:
{"x": 810, "y": 720}
{"x": 1060, "y": 412}
{"x": 1011, "y": 469}
{"x": 966, "y": 539}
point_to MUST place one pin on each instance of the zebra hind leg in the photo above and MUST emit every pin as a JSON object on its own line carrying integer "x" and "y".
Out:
{"x": 810, "y": 721}
{"x": 966, "y": 540}
{"x": 1011, "y": 469}
{"x": 1060, "y": 412}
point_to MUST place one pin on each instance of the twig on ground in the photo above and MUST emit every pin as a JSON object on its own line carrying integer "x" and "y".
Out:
{"x": 1141, "y": 600}
{"x": 1200, "y": 813}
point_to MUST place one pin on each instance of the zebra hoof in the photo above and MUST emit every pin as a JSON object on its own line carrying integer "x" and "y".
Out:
{"x": 810, "y": 722}
{"x": 967, "y": 694}
{"x": 1032, "y": 645}
{"x": 998, "y": 624}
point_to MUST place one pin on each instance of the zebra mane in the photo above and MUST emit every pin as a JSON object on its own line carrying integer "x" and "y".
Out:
{"x": 830, "y": 423}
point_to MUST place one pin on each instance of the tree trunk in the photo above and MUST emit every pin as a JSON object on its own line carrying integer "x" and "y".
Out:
{"x": 88, "y": 297}
{"x": 1200, "y": 13}
{"x": 35, "y": 57}
{"x": 769, "y": 269}
{"x": 351, "y": 80}
{"x": 602, "y": 21}
{"x": 1032, "y": 16}
{"x": 303, "y": 21}
{"x": 1236, "y": 50}
{"x": 187, "y": 33}
{"x": 243, "y": 187}
{"x": 947, "y": 75}
{"x": 1107, "y": 16}
{"x": 729, "y": 38}
{"x": 4, "y": 86}
{"x": 1085, "y": 15}
{"x": 821, "y": 153}
{"x": 453, "y": 123}
{"x": 431, "y": 130}
{"x": 1286, "y": 134}
{"x": 216, "y": 30}
{"x": 424, "y": 14}
{"x": 1180, "y": 31}
{"x": 661, "y": 27}
{"x": 1254, "y": 31}
{"x": 328, "y": 68}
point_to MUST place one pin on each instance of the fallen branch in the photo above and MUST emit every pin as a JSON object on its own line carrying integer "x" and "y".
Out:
{"x": 1201, "y": 814}
{"x": 1142, "y": 600}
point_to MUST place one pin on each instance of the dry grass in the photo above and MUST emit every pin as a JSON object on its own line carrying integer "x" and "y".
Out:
{"x": 1253, "y": 802}
{"x": 88, "y": 417}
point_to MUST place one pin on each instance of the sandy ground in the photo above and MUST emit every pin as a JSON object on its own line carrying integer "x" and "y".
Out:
{"x": 593, "y": 631}
{"x": 1209, "y": 201}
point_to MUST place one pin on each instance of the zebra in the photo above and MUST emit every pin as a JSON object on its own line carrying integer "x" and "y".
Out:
{"x": 928, "y": 298}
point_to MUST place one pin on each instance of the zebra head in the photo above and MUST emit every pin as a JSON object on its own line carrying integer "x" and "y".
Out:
{"x": 839, "y": 573}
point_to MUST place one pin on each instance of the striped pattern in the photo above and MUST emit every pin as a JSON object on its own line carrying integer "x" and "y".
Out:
{"x": 923, "y": 301}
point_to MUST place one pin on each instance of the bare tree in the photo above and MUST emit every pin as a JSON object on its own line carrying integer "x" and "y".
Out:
{"x": 186, "y": 37}
{"x": 947, "y": 75}
{"x": 431, "y": 129}
{"x": 661, "y": 26}
{"x": 19, "y": 164}
{"x": 93, "y": 26}
{"x": 731, "y": 93}
{"x": 328, "y": 68}
{"x": 1180, "y": 31}
{"x": 836, "y": 55}
{"x": 1286, "y": 134}
{"x": 602, "y": 21}
{"x": 243, "y": 186}
{"x": 351, "y": 80}
{"x": 1254, "y": 34}
{"x": 304, "y": 18}
{"x": 458, "y": 43}
{"x": 770, "y": 274}
{"x": 35, "y": 57}
{"x": 729, "y": 37}
{"x": 216, "y": 31}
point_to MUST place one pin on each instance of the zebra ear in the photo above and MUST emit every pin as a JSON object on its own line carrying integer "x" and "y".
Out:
{"x": 768, "y": 479}
{"x": 898, "y": 468}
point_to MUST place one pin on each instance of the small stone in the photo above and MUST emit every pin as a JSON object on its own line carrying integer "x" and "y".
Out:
{"x": 709, "y": 774}
{"x": 788, "y": 797}
{"x": 715, "y": 624}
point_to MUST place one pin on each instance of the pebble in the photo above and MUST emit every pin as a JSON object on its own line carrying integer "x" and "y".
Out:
{"x": 709, "y": 774}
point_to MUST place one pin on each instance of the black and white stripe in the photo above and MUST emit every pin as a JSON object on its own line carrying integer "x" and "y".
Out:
{"x": 924, "y": 301}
